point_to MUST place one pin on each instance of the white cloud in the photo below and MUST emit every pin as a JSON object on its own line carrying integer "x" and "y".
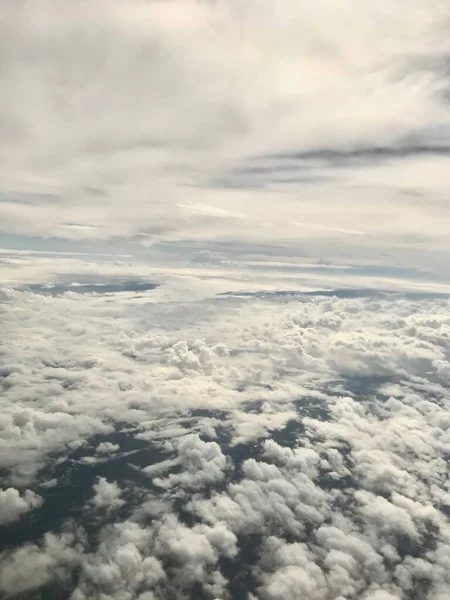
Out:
{"x": 131, "y": 558}
{"x": 202, "y": 463}
{"x": 295, "y": 572}
{"x": 249, "y": 427}
{"x": 107, "y": 495}
{"x": 107, "y": 448}
{"x": 349, "y": 503}
{"x": 196, "y": 101}
{"x": 267, "y": 497}
{"x": 123, "y": 369}
{"x": 122, "y": 564}
{"x": 380, "y": 595}
{"x": 13, "y": 505}
{"x": 32, "y": 566}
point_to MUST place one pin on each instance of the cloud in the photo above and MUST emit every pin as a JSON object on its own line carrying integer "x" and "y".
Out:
{"x": 107, "y": 448}
{"x": 107, "y": 495}
{"x": 270, "y": 444}
{"x": 296, "y": 573}
{"x": 131, "y": 365}
{"x": 249, "y": 426}
{"x": 32, "y": 566}
{"x": 202, "y": 463}
{"x": 131, "y": 558}
{"x": 13, "y": 505}
{"x": 122, "y": 563}
{"x": 198, "y": 545}
{"x": 219, "y": 110}
{"x": 266, "y": 497}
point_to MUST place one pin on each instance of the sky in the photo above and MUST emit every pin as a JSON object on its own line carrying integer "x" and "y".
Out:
{"x": 224, "y": 300}
{"x": 323, "y": 127}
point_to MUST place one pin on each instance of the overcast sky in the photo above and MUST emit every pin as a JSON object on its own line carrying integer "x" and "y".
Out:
{"x": 322, "y": 125}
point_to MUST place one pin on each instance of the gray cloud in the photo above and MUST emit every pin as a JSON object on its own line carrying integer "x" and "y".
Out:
{"x": 107, "y": 448}
{"x": 147, "y": 101}
{"x": 13, "y": 504}
{"x": 32, "y": 566}
{"x": 107, "y": 495}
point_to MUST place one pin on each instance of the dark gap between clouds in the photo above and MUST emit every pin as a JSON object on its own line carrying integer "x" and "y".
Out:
{"x": 57, "y": 289}
{"x": 345, "y": 293}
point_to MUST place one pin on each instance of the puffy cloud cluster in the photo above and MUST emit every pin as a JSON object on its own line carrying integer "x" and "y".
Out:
{"x": 201, "y": 463}
{"x": 130, "y": 363}
{"x": 351, "y": 542}
{"x": 294, "y": 445}
{"x": 287, "y": 498}
{"x": 136, "y": 561}
{"x": 107, "y": 495}
{"x": 34, "y": 565}
{"x": 107, "y": 448}
{"x": 122, "y": 562}
{"x": 13, "y": 504}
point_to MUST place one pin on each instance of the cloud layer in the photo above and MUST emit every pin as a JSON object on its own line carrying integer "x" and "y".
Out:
{"x": 212, "y": 427}
{"x": 243, "y": 446}
{"x": 213, "y": 121}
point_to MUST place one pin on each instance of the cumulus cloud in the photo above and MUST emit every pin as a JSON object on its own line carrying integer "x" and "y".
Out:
{"x": 202, "y": 463}
{"x": 107, "y": 448}
{"x": 295, "y": 572}
{"x": 285, "y": 351}
{"x": 122, "y": 563}
{"x": 166, "y": 556}
{"x": 249, "y": 426}
{"x": 107, "y": 494}
{"x": 279, "y": 443}
{"x": 13, "y": 505}
{"x": 32, "y": 566}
